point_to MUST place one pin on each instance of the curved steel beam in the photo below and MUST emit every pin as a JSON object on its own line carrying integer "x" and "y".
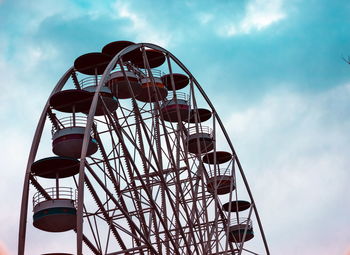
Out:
{"x": 32, "y": 154}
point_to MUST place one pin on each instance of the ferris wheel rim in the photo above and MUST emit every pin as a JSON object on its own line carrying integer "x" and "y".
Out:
{"x": 191, "y": 77}
{"x": 93, "y": 106}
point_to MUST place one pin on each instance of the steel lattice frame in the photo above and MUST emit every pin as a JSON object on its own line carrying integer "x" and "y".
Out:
{"x": 149, "y": 191}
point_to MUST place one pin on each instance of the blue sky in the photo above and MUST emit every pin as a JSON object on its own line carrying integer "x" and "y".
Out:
{"x": 272, "y": 68}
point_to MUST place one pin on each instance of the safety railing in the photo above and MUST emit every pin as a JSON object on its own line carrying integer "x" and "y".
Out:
{"x": 200, "y": 130}
{"x": 241, "y": 222}
{"x": 178, "y": 95}
{"x": 71, "y": 121}
{"x": 155, "y": 73}
{"x": 220, "y": 172}
{"x": 89, "y": 81}
{"x": 93, "y": 80}
{"x": 63, "y": 193}
{"x": 120, "y": 74}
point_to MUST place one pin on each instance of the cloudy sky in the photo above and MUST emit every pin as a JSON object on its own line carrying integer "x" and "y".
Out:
{"x": 272, "y": 68}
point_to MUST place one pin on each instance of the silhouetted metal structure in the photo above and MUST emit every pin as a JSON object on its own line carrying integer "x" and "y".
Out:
{"x": 139, "y": 165}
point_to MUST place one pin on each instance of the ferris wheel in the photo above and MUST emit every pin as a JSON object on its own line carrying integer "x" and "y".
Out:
{"x": 142, "y": 163}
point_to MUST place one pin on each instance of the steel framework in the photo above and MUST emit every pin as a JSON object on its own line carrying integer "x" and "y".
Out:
{"x": 158, "y": 184}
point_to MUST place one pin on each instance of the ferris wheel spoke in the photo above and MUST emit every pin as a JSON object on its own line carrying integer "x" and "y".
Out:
{"x": 55, "y": 122}
{"x": 146, "y": 172}
{"x": 137, "y": 200}
{"x": 181, "y": 193}
{"x": 96, "y": 235}
{"x": 128, "y": 167}
{"x": 89, "y": 244}
{"x": 105, "y": 214}
{"x": 111, "y": 174}
{"x": 123, "y": 209}
{"x": 39, "y": 188}
{"x": 146, "y": 189}
{"x": 75, "y": 79}
{"x": 94, "y": 232}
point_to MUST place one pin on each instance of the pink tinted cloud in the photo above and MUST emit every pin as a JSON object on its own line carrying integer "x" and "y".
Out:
{"x": 3, "y": 250}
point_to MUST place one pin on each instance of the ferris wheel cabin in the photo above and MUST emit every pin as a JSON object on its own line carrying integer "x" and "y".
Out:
{"x": 220, "y": 180}
{"x": 152, "y": 90}
{"x": 68, "y": 142}
{"x": 93, "y": 65}
{"x": 124, "y": 86}
{"x": 54, "y": 215}
{"x": 198, "y": 115}
{"x": 175, "y": 81}
{"x": 150, "y": 58}
{"x": 152, "y": 87}
{"x": 200, "y": 139}
{"x": 240, "y": 230}
{"x": 54, "y": 208}
{"x": 175, "y": 107}
{"x": 236, "y": 206}
{"x": 68, "y": 132}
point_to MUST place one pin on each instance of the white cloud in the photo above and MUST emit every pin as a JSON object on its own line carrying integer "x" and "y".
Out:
{"x": 20, "y": 105}
{"x": 294, "y": 149}
{"x": 141, "y": 29}
{"x": 259, "y": 14}
{"x": 205, "y": 18}
{"x": 3, "y": 249}
{"x": 66, "y": 10}
{"x": 45, "y": 9}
